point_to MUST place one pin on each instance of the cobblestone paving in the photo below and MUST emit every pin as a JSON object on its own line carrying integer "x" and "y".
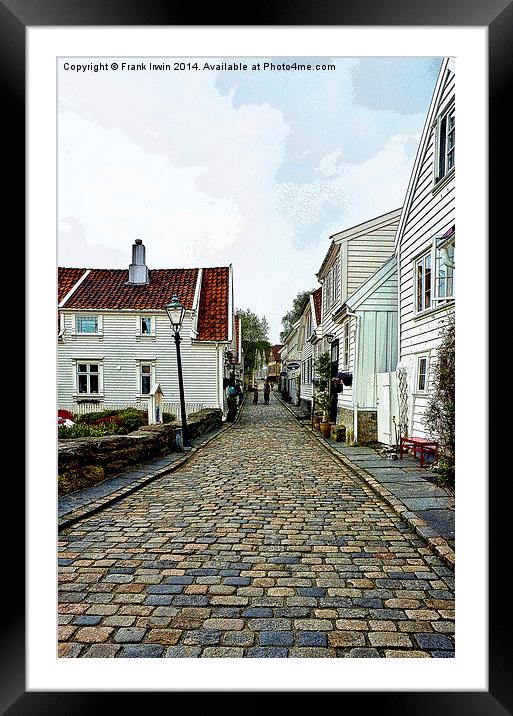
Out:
{"x": 261, "y": 546}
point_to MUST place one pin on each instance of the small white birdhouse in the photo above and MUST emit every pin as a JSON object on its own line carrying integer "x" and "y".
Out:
{"x": 155, "y": 405}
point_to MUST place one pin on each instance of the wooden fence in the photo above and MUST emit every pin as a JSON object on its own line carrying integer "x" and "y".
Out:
{"x": 84, "y": 408}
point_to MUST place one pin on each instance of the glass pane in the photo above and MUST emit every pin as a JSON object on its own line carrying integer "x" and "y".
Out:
{"x": 145, "y": 384}
{"x": 82, "y": 384}
{"x": 82, "y": 368}
{"x": 146, "y": 369}
{"x": 427, "y": 283}
{"x": 87, "y": 324}
{"x": 93, "y": 368}
{"x": 419, "y": 286}
{"x": 93, "y": 379}
{"x": 422, "y": 374}
{"x": 146, "y": 325}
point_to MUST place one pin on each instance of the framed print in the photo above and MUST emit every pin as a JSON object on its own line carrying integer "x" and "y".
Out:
{"x": 264, "y": 214}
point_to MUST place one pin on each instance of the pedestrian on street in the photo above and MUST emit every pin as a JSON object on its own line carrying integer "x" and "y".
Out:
{"x": 267, "y": 390}
{"x": 239, "y": 391}
{"x": 255, "y": 393}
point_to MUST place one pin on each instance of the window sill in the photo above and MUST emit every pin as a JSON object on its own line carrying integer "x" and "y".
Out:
{"x": 88, "y": 396}
{"x": 433, "y": 311}
{"x": 86, "y": 335}
{"x": 442, "y": 183}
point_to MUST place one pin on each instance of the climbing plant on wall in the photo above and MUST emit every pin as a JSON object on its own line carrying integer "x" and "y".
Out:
{"x": 439, "y": 418}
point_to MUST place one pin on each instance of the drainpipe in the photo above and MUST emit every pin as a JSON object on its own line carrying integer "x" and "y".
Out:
{"x": 355, "y": 372}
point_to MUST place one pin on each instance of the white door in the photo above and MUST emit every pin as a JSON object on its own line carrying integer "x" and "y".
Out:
{"x": 388, "y": 408}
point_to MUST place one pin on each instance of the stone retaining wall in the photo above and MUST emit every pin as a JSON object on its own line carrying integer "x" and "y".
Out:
{"x": 86, "y": 461}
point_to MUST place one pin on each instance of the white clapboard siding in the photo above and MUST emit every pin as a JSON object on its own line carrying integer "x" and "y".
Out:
{"x": 377, "y": 353}
{"x": 426, "y": 214}
{"x": 367, "y": 254}
{"x": 120, "y": 351}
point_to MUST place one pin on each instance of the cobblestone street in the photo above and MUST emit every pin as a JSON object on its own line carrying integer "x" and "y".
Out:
{"x": 262, "y": 545}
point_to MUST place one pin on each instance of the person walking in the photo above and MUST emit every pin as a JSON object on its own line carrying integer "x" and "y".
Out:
{"x": 255, "y": 394}
{"x": 267, "y": 390}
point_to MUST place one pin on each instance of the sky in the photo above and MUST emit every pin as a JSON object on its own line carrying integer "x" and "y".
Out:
{"x": 255, "y": 168}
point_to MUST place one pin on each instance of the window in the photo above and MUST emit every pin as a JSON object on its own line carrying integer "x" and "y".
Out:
{"x": 444, "y": 271}
{"x": 423, "y": 282}
{"x": 446, "y": 144}
{"x": 422, "y": 368}
{"x": 146, "y": 325}
{"x": 346, "y": 344}
{"x": 87, "y": 324}
{"x": 331, "y": 286}
{"x": 309, "y": 324}
{"x": 434, "y": 273}
{"x": 88, "y": 378}
{"x": 145, "y": 379}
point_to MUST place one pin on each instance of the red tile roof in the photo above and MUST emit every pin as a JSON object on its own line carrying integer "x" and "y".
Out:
{"x": 275, "y": 351}
{"x": 108, "y": 289}
{"x": 317, "y": 297}
{"x": 67, "y": 278}
{"x": 213, "y": 307}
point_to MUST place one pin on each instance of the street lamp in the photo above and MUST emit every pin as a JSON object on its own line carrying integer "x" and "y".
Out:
{"x": 176, "y": 313}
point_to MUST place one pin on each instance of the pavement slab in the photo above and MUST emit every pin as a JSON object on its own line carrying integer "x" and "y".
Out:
{"x": 261, "y": 545}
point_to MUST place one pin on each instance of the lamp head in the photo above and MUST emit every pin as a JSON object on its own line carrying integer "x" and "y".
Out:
{"x": 176, "y": 313}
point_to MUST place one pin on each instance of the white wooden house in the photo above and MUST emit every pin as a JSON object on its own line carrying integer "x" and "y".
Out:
{"x": 115, "y": 339}
{"x": 308, "y": 338}
{"x": 359, "y": 301}
{"x": 290, "y": 359}
{"x": 368, "y": 319}
{"x": 425, "y": 257}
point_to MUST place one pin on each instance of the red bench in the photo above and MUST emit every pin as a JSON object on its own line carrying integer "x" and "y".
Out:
{"x": 421, "y": 445}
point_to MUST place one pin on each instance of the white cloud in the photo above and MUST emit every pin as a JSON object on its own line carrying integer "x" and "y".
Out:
{"x": 169, "y": 159}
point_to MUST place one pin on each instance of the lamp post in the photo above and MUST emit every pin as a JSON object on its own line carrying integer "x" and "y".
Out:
{"x": 176, "y": 313}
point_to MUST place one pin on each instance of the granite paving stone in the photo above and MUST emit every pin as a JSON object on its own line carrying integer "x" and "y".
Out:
{"x": 248, "y": 551}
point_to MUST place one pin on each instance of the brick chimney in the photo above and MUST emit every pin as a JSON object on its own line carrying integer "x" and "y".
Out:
{"x": 138, "y": 273}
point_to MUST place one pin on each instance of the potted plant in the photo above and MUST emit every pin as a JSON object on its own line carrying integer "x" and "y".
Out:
{"x": 323, "y": 400}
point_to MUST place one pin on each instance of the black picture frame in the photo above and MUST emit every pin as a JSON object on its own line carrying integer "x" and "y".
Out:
{"x": 497, "y": 16}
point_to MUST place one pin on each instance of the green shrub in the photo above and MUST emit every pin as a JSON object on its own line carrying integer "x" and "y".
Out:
{"x": 90, "y": 418}
{"x": 168, "y": 417}
{"x": 127, "y": 420}
{"x": 132, "y": 419}
{"x": 80, "y": 430}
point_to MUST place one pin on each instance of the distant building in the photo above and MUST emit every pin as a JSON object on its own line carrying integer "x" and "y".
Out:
{"x": 274, "y": 363}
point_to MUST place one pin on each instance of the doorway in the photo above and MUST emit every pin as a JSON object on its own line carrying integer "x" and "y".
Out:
{"x": 333, "y": 374}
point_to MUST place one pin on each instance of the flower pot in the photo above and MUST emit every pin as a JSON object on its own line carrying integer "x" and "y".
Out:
{"x": 325, "y": 429}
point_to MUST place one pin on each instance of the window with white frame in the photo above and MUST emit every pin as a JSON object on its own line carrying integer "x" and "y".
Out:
{"x": 309, "y": 324}
{"x": 145, "y": 376}
{"x": 88, "y": 378}
{"x": 445, "y": 144}
{"x": 87, "y": 324}
{"x": 147, "y": 326}
{"x": 423, "y": 282}
{"x": 331, "y": 285}
{"x": 345, "y": 339}
{"x": 434, "y": 274}
{"x": 422, "y": 374}
{"x": 444, "y": 271}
